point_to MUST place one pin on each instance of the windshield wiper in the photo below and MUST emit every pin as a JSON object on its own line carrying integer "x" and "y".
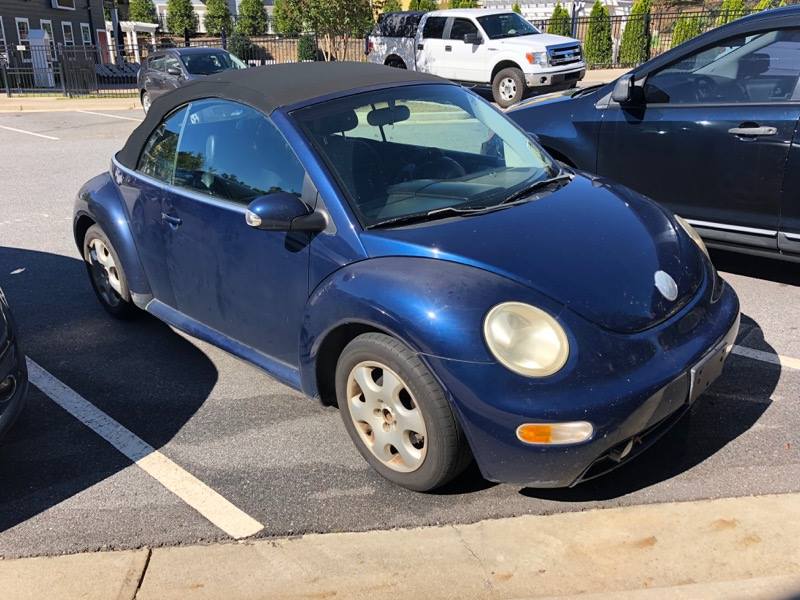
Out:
{"x": 436, "y": 213}
{"x": 529, "y": 190}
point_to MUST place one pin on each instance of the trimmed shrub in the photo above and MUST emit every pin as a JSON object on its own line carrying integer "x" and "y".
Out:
{"x": 635, "y": 46}
{"x": 517, "y": 8}
{"x": 599, "y": 49}
{"x": 181, "y": 17}
{"x": 218, "y": 17}
{"x": 142, "y": 11}
{"x": 685, "y": 29}
{"x": 252, "y": 18}
{"x": 306, "y": 48}
{"x": 560, "y": 22}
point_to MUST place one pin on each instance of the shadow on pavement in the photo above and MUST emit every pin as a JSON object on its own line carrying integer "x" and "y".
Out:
{"x": 771, "y": 269}
{"x": 141, "y": 373}
{"x": 731, "y": 406}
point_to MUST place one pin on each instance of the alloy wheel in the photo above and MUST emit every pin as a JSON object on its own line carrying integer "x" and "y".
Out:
{"x": 386, "y": 416}
{"x": 104, "y": 272}
{"x": 508, "y": 89}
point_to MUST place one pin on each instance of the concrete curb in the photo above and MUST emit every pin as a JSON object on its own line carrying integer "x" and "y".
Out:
{"x": 734, "y": 547}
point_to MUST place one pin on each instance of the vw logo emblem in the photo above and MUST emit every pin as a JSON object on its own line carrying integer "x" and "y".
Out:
{"x": 666, "y": 285}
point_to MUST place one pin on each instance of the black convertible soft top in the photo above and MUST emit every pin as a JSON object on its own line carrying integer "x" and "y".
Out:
{"x": 271, "y": 87}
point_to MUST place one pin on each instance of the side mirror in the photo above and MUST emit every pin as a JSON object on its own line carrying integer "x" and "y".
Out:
{"x": 474, "y": 39}
{"x": 174, "y": 71}
{"x": 282, "y": 211}
{"x": 624, "y": 89}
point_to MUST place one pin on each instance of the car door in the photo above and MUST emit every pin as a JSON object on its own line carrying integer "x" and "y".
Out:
{"x": 154, "y": 76}
{"x": 144, "y": 192}
{"x": 431, "y": 47}
{"x": 173, "y": 72}
{"x": 711, "y": 137}
{"x": 250, "y": 285}
{"x": 463, "y": 62}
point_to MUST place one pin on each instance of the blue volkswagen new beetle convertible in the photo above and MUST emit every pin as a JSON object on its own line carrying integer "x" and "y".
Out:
{"x": 388, "y": 241}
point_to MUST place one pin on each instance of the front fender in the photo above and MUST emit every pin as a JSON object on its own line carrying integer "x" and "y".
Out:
{"x": 99, "y": 200}
{"x": 434, "y": 306}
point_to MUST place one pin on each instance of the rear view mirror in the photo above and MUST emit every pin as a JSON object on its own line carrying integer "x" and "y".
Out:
{"x": 282, "y": 211}
{"x": 473, "y": 38}
{"x": 388, "y": 116}
{"x": 623, "y": 89}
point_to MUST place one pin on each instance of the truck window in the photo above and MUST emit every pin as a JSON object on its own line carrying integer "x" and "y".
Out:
{"x": 434, "y": 28}
{"x": 462, "y": 27}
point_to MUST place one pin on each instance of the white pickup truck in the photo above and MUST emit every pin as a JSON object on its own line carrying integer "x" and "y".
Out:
{"x": 478, "y": 47}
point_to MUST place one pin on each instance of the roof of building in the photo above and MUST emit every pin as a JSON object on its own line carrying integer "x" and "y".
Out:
{"x": 271, "y": 87}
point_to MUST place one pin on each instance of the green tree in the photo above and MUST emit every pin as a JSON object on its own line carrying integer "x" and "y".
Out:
{"x": 517, "y": 8}
{"x": 240, "y": 45}
{"x": 391, "y": 6}
{"x": 336, "y": 22}
{"x": 181, "y": 17}
{"x": 598, "y": 48}
{"x": 218, "y": 17}
{"x": 423, "y": 5}
{"x": 686, "y": 28}
{"x": 635, "y": 46}
{"x": 764, "y": 5}
{"x": 560, "y": 22}
{"x": 730, "y": 10}
{"x": 463, "y": 3}
{"x": 288, "y": 17}
{"x": 142, "y": 11}
{"x": 252, "y": 18}
{"x": 306, "y": 48}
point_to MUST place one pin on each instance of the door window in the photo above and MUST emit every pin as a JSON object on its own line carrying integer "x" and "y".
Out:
{"x": 170, "y": 62}
{"x": 234, "y": 152}
{"x": 434, "y": 28}
{"x": 757, "y": 68}
{"x": 158, "y": 156}
{"x": 460, "y": 28}
{"x": 156, "y": 63}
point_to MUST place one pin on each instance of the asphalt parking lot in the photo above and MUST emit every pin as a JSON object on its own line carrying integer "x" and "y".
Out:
{"x": 278, "y": 458}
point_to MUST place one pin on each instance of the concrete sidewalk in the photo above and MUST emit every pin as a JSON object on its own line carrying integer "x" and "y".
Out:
{"x": 60, "y": 103}
{"x": 727, "y": 548}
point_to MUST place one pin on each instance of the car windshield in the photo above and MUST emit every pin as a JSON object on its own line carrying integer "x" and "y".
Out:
{"x": 506, "y": 25}
{"x": 408, "y": 151}
{"x": 209, "y": 63}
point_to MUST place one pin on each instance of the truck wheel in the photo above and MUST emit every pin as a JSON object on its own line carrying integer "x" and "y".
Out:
{"x": 396, "y": 63}
{"x": 508, "y": 87}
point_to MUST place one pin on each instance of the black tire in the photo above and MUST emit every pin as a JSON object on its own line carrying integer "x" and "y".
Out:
{"x": 447, "y": 453}
{"x": 117, "y": 303}
{"x": 11, "y": 412}
{"x": 396, "y": 63}
{"x": 510, "y": 77}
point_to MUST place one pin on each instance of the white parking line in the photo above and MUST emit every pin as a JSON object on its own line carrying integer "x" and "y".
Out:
{"x": 41, "y": 135}
{"x": 769, "y": 357}
{"x": 99, "y": 114}
{"x": 186, "y": 486}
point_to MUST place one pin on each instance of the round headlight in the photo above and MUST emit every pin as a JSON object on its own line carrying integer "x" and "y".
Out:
{"x": 692, "y": 234}
{"x": 526, "y": 339}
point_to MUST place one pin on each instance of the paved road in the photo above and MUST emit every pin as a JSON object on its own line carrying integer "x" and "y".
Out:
{"x": 281, "y": 458}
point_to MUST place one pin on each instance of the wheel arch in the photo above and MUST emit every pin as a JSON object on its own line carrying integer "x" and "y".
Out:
{"x": 395, "y": 57}
{"x": 503, "y": 64}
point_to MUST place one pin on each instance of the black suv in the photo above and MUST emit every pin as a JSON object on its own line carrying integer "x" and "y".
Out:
{"x": 166, "y": 70}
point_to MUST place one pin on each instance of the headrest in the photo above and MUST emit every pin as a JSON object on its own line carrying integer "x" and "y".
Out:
{"x": 753, "y": 64}
{"x": 335, "y": 123}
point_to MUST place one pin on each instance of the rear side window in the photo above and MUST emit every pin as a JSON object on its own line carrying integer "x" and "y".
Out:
{"x": 158, "y": 157}
{"x": 233, "y": 152}
{"x": 462, "y": 27}
{"x": 434, "y": 28}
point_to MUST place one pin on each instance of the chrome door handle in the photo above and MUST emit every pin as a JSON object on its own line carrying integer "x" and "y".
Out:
{"x": 753, "y": 131}
{"x": 173, "y": 222}
{"x": 448, "y": 48}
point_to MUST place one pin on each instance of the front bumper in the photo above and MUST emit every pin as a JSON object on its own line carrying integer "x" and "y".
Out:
{"x": 632, "y": 388}
{"x": 547, "y": 79}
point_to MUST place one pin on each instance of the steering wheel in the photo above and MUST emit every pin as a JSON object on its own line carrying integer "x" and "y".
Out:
{"x": 705, "y": 88}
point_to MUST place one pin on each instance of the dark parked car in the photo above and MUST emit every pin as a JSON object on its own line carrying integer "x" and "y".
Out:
{"x": 13, "y": 370}
{"x": 167, "y": 70}
{"x": 709, "y": 129}
{"x": 345, "y": 227}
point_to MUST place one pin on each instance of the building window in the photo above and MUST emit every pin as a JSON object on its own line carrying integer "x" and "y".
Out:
{"x": 69, "y": 37}
{"x": 47, "y": 26}
{"x": 86, "y": 34}
{"x": 23, "y": 29}
{"x": 64, "y": 4}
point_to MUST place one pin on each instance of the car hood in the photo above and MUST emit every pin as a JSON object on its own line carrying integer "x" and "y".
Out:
{"x": 536, "y": 39}
{"x": 590, "y": 246}
{"x": 542, "y": 99}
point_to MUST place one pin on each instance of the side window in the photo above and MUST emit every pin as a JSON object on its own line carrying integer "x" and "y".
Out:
{"x": 234, "y": 152}
{"x": 158, "y": 157}
{"x": 434, "y": 28}
{"x": 462, "y": 27}
{"x": 156, "y": 63}
{"x": 170, "y": 62}
{"x": 761, "y": 67}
